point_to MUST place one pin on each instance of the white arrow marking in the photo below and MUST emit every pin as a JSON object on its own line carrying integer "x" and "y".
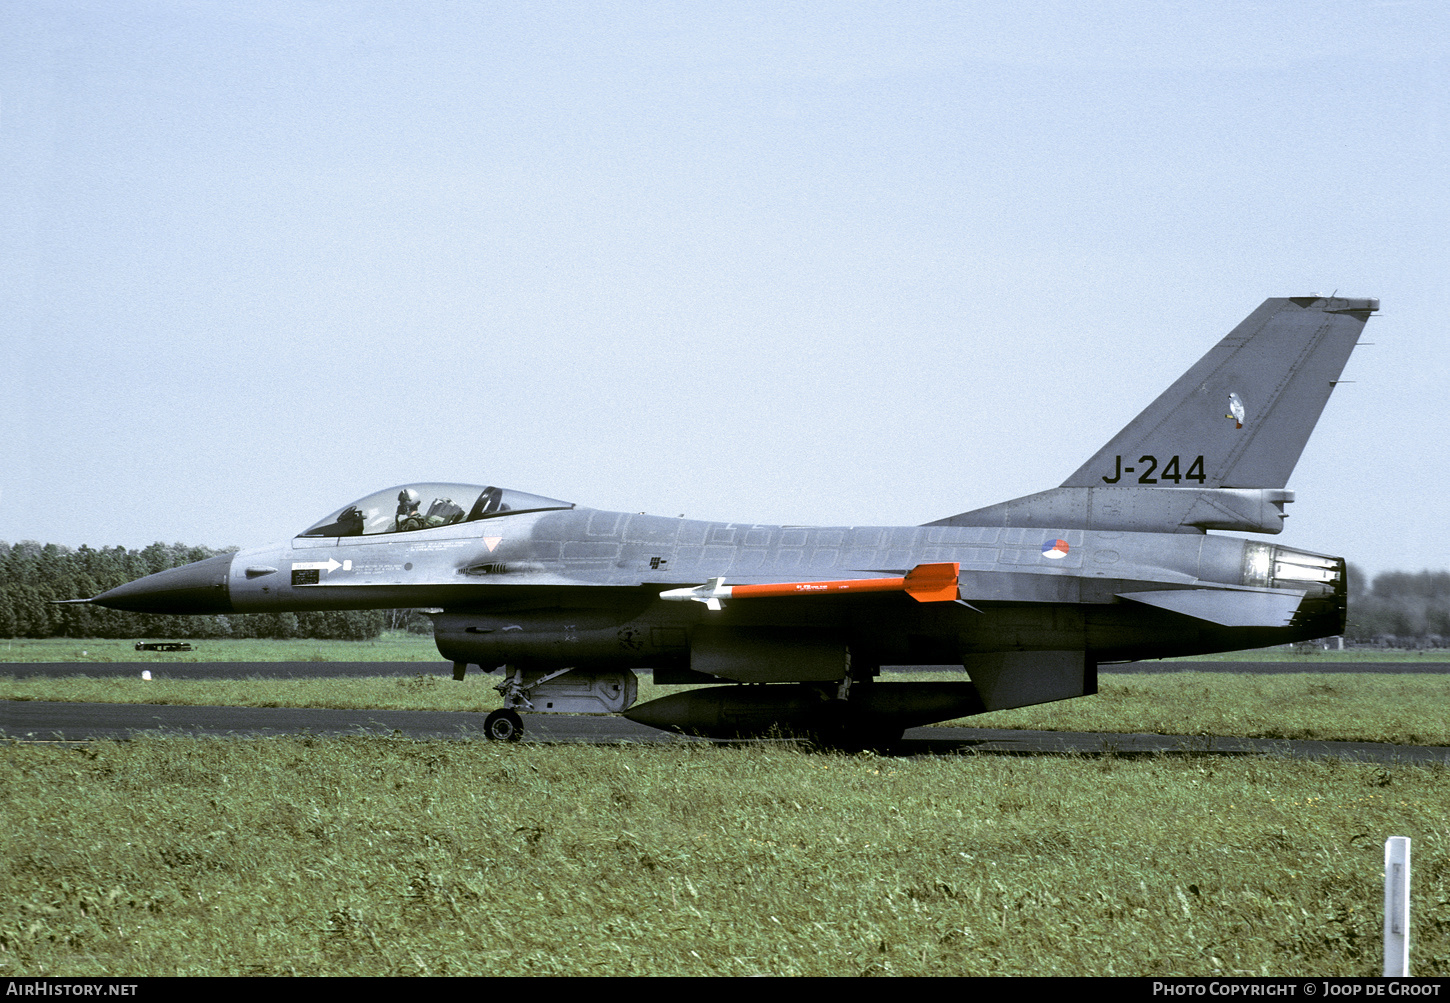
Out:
{"x": 327, "y": 565}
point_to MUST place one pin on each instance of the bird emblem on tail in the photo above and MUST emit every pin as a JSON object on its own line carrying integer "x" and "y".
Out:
{"x": 1235, "y": 410}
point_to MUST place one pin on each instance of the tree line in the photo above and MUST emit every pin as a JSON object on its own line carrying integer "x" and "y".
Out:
{"x": 1397, "y": 607}
{"x": 1400, "y": 608}
{"x": 32, "y": 574}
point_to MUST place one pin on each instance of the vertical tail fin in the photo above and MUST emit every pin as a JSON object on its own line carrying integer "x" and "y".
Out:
{"x": 1241, "y": 416}
{"x": 1216, "y": 448}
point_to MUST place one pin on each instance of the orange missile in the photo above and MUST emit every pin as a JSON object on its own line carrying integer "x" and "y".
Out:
{"x": 924, "y": 583}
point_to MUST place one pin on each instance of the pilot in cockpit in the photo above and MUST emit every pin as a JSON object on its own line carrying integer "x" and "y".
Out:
{"x": 408, "y": 517}
{"x": 369, "y": 516}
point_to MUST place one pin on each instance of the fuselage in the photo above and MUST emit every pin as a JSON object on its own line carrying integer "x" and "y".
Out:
{"x": 1023, "y": 589}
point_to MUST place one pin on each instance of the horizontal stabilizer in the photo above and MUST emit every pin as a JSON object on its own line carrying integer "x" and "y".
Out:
{"x": 1230, "y": 608}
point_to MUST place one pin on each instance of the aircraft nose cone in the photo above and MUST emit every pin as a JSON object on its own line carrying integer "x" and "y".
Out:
{"x": 191, "y": 588}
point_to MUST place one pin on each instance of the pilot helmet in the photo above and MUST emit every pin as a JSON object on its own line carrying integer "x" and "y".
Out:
{"x": 409, "y": 498}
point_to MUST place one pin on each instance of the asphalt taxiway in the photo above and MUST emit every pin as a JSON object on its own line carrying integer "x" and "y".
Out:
{"x": 48, "y": 721}
{"x": 51, "y": 721}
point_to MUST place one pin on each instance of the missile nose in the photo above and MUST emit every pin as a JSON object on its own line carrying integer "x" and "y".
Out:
{"x": 192, "y": 588}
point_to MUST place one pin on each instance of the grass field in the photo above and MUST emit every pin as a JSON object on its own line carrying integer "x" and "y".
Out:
{"x": 361, "y": 856}
{"x": 375, "y": 856}
{"x": 392, "y": 646}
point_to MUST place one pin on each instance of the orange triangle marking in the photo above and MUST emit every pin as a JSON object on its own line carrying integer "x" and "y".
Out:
{"x": 492, "y": 541}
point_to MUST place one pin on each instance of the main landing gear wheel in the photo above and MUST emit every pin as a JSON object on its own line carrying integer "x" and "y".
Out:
{"x": 503, "y": 726}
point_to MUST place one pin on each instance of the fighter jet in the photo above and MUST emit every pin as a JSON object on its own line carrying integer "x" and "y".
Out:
{"x": 789, "y": 626}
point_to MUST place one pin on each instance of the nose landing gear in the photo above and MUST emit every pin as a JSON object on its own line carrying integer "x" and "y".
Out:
{"x": 562, "y": 691}
{"x": 503, "y": 726}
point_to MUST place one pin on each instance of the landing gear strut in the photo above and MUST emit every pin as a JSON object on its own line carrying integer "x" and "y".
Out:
{"x": 558, "y": 691}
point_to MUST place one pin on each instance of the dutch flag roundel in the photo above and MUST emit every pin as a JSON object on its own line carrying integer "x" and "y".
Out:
{"x": 1055, "y": 549}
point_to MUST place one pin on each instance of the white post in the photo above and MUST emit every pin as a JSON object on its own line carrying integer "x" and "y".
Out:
{"x": 1397, "y": 906}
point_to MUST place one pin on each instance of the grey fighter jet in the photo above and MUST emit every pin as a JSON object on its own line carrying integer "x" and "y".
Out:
{"x": 789, "y": 626}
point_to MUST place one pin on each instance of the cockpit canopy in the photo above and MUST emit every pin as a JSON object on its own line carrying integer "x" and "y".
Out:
{"x": 411, "y": 507}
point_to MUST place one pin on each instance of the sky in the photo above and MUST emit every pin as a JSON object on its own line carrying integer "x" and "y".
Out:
{"x": 833, "y": 264}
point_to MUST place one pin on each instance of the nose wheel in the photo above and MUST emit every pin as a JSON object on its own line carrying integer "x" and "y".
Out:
{"x": 503, "y": 726}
